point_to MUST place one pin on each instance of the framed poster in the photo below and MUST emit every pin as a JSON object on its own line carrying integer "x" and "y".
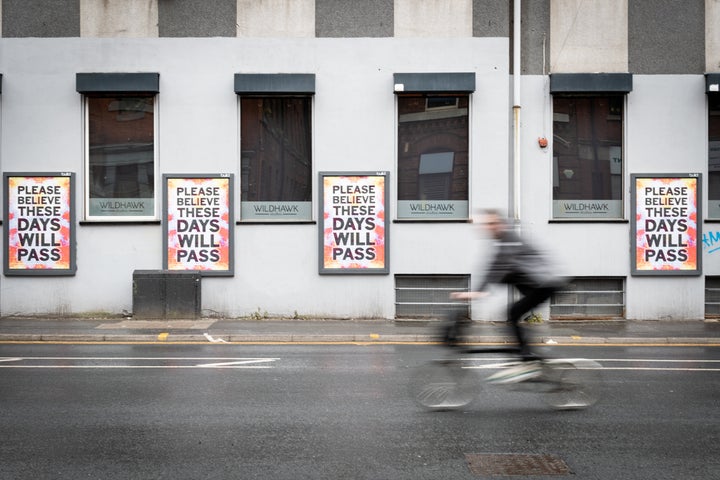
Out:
{"x": 667, "y": 224}
{"x": 39, "y": 223}
{"x": 198, "y": 223}
{"x": 353, "y": 230}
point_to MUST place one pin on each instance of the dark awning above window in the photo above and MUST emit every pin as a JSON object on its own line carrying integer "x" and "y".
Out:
{"x": 463, "y": 82}
{"x": 275, "y": 83}
{"x": 712, "y": 82}
{"x": 117, "y": 82}
{"x": 591, "y": 83}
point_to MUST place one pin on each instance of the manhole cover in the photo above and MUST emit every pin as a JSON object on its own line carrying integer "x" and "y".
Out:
{"x": 501, "y": 464}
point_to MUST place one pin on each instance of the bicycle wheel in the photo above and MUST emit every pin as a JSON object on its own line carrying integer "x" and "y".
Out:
{"x": 442, "y": 385}
{"x": 572, "y": 384}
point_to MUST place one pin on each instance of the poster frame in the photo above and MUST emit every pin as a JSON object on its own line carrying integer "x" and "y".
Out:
{"x": 72, "y": 253}
{"x": 635, "y": 271}
{"x": 230, "y": 271}
{"x": 322, "y": 269}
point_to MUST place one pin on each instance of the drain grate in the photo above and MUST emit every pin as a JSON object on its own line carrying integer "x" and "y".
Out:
{"x": 501, "y": 464}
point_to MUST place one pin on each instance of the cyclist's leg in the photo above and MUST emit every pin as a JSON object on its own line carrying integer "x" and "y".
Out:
{"x": 455, "y": 326}
{"x": 531, "y": 297}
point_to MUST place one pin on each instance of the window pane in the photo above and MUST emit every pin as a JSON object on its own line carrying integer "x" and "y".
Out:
{"x": 121, "y": 146}
{"x": 433, "y": 157}
{"x": 714, "y": 155}
{"x": 587, "y": 156}
{"x": 276, "y": 158}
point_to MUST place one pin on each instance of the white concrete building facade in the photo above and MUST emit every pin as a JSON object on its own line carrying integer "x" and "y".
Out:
{"x": 658, "y": 81}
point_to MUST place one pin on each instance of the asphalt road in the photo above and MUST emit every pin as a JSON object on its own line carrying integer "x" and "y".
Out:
{"x": 338, "y": 412}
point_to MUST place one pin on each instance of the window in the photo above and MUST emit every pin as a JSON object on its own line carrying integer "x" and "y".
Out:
{"x": 588, "y": 129}
{"x": 713, "y": 96}
{"x": 276, "y": 146}
{"x": 276, "y": 163}
{"x": 120, "y": 146}
{"x": 433, "y": 145}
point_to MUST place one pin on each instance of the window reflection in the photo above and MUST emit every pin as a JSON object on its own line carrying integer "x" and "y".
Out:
{"x": 433, "y": 151}
{"x": 714, "y": 155}
{"x": 121, "y": 146}
{"x": 276, "y": 149}
{"x": 588, "y": 155}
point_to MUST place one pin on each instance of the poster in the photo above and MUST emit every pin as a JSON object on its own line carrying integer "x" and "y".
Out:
{"x": 39, "y": 224}
{"x": 353, "y": 231}
{"x": 667, "y": 224}
{"x": 198, "y": 223}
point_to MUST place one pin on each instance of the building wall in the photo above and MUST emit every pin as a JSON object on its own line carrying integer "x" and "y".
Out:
{"x": 589, "y": 36}
{"x": 354, "y": 48}
{"x": 276, "y": 265}
{"x": 671, "y": 43}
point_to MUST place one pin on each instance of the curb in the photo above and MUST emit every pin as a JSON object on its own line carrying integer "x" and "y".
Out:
{"x": 344, "y": 338}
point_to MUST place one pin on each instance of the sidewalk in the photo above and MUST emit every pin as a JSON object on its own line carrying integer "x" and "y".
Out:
{"x": 209, "y": 330}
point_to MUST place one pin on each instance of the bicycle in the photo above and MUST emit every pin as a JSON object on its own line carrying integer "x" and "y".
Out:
{"x": 448, "y": 383}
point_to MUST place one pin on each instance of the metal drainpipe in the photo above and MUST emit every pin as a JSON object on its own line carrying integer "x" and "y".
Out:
{"x": 515, "y": 185}
{"x": 515, "y": 194}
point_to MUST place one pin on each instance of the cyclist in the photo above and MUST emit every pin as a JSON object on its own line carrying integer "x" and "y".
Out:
{"x": 516, "y": 263}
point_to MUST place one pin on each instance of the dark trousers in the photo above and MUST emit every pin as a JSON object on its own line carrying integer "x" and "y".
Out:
{"x": 531, "y": 298}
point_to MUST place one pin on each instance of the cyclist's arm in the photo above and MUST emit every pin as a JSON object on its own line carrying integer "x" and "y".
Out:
{"x": 468, "y": 295}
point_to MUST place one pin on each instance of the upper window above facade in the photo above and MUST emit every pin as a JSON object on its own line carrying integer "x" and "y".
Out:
{"x": 713, "y": 96}
{"x": 276, "y": 146}
{"x": 120, "y": 146}
{"x": 588, "y": 131}
{"x": 433, "y": 145}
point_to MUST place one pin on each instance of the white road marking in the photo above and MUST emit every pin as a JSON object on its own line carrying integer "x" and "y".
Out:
{"x": 664, "y": 369}
{"x": 134, "y": 367}
{"x": 636, "y": 364}
{"x": 155, "y": 362}
{"x": 239, "y": 362}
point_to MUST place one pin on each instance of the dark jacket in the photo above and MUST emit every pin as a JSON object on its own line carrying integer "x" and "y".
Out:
{"x": 518, "y": 263}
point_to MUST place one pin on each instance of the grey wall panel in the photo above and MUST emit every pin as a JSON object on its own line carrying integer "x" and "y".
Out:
{"x": 276, "y": 83}
{"x": 191, "y": 18}
{"x": 666, "y": 36}
{"x": 434, "y": 82}
{"x": 535, "y": 35}
{"x": 351, "y": 18}
{"x": 590, "y": 82}
{"x": 117, "y": 82}
{"x": 712, "y": 81}
{"x": 491, "y": 18}
{"x": 41, "y": 18}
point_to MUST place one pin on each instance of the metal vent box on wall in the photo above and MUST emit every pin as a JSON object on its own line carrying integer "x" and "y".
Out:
{"x": 166, "y": 294}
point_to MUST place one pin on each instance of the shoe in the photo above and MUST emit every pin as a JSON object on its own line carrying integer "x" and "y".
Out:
{"x": 517, "y": 373}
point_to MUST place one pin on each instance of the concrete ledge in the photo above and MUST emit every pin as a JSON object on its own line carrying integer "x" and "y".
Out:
{"x": 126, "y": 338}
{"x": 701, "y": 340}
{"x": 409, "y": 338}
{"x": 72, "y": 338}
{"x": 261, "y": 338}
{"x": 330, "y": 338}
{"x": 644, "y": 340}
{"x": 10, "y": 337}
{"x": 490, "y": 339}
{"x": 569, "y": 340}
